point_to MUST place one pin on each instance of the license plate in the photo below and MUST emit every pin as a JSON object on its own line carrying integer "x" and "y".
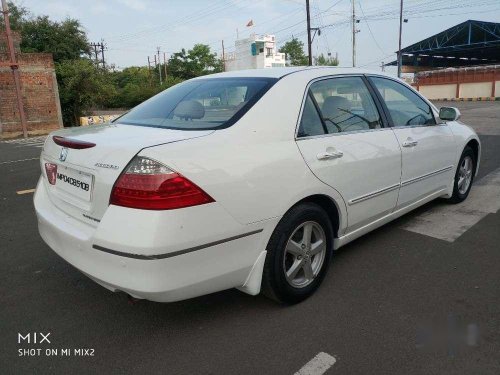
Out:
{"x": 74, "y": 182}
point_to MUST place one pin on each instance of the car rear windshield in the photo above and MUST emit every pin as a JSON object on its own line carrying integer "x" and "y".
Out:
{"x": 200, "y": 104}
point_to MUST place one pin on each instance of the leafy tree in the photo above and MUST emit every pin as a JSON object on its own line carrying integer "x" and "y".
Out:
{"x": 196, "y": 62}
{"x": 294, "y": 50}
{"x": 82, "y": 85}
{"x": 17, "y": 16}
{"x": 66, "y": 40}
{"x": 326, "y": 61}
{"x": 136, "y": 84}
{"x": 133, "y": 74}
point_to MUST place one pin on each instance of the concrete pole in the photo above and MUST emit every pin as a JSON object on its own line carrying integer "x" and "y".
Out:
{"x": 353, "y": 34}
{"x": 102, "y": 54}
{"x": 309, "y": 42}
{"x": 159, "y": 64}
{"x": 14, "y": 66}
{"x": 400, "y": 58}
{"x": 165, "y": 65}
{"x": 149, "y": 72}
{"x": 223, "y": 58}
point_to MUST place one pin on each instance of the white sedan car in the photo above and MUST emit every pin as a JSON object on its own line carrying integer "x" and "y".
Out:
{"x": 247, "y": 179}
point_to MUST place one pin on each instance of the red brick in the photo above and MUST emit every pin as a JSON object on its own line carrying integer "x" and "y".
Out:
{"x": 37, "y": 85}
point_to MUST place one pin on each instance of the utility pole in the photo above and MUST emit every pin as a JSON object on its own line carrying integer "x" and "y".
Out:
{"x": 99, "y": 49}
{"x": 400, "y": 59}
{"x": 309, "y": 52}
{"x": 353, "y": 34}
{"x": 382, "y": 65}
{"x": 223, "y": 58}
{"x": 149, "y": 71}
{"x": 155, "y": 60}
{"x": 102, "y": 54}
{"x": 14, "y": 66}
{"x": 159, "y": 64}
{"x": 96, "y": 59}
{"x": 165, "y": 65}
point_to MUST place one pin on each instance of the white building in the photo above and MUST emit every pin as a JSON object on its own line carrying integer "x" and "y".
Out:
{"x": 254, "y": 52}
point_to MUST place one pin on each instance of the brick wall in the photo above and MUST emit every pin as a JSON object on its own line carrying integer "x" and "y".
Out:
{"x": 16, "y": 39}
{"x": 39, "y": 91}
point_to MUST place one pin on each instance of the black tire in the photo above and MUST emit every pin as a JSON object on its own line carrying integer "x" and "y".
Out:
{"x": 458, "y": 196}
{"x": 274, "y": 281}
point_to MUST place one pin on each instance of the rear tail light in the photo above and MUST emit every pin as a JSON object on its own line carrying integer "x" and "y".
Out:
{"x": 72, "y": 143}
{"x": 149, "y": 185}
{"x": 51, "y": 170}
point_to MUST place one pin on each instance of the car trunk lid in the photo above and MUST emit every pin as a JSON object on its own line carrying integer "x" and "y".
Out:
{"x": 85, "y": 176}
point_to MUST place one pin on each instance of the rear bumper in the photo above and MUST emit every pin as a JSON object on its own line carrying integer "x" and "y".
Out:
{"x": 162, "y": 256}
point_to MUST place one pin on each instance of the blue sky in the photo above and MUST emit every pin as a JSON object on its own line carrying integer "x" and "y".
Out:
{"x": 132, "y": 29}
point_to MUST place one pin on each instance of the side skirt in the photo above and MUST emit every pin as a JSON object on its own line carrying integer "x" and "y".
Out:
{"x": 345, "y": 239}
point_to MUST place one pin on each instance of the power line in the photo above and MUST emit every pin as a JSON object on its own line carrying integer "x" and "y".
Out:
{"x": 183, "y": 21}
{"x": 150, "y": 30}
{"x": 370, "y": 30}
{"x": 413, "y": 8}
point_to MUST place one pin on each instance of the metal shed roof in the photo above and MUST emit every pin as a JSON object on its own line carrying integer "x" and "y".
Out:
{"x": 466, "y": 44}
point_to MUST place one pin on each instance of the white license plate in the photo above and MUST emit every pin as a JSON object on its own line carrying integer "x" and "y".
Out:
{"x": 74, "y": 182}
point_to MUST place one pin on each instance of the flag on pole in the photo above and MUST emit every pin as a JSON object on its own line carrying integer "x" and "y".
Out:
{"x": 250, "y": 23}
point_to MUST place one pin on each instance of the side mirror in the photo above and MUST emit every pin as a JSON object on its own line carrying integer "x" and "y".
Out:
{"x": 449, "y": 113}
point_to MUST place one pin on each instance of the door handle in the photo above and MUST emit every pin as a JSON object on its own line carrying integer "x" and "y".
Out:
{"x": 330, "y": 155}
{"x": 410, "y": 143}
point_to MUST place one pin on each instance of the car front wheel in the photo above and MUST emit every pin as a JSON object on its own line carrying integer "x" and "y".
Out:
{"x": 464, "y": 176}
{"x": 298, "y": 254}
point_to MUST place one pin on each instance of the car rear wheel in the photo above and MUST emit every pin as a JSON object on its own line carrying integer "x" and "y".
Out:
{"x": 298, "y": 254}
{"x": 464, "y": 176}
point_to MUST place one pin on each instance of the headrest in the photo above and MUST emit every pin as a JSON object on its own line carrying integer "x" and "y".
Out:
{"x": 331, "y": 105}
{"x": 189, "y": 109}
{"x": 336, "y": 102}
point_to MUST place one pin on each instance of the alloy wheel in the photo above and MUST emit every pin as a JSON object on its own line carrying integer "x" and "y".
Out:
{"x": 304, "y": 254}
{"x": 465, "y": 175}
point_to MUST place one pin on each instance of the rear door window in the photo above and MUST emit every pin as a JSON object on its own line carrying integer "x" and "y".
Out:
{"x": 310, "y": 123}
{"x": 345, "y": 105}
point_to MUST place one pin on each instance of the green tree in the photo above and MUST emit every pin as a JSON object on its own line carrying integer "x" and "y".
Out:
{"x": 66, "y": 40}
{"x": 17, "y": 16}
{"x": 82, "y": 85}
{"x": 294, "y": 50}
{"x": 196, "y": 62}
{"x": 326, "y": 61}
{"x": 136, "y": 84}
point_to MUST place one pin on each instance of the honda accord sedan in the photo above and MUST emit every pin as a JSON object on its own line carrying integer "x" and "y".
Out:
{"x": 247, "y": 180}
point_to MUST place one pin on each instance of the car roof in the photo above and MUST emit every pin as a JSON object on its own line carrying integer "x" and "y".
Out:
{"x": 281, "y": 72}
